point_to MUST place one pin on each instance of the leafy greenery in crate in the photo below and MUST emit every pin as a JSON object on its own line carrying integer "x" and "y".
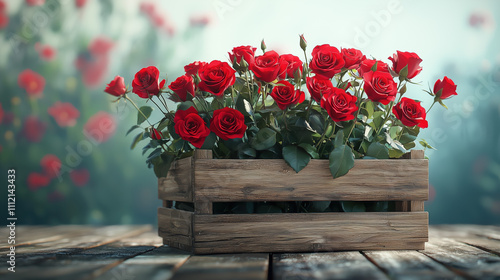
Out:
{"x": 258, "y": 108}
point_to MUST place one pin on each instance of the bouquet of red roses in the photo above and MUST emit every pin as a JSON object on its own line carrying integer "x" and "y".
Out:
{"x": 258, "y": 108}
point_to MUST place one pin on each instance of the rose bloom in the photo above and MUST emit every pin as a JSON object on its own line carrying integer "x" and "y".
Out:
{"x": 79, "y": 177}
{"x": 339, "y": 105}
{"x": 65, "y": 114}
{"x": 182, "y": 86}
{"x": 352, "y": 58}
{"x": 100, "y": 127}
{"x": 145, "y": 83}
{"x": 290, "y": 64}
{"x": 46, "y": 52}
{"x": 33, "y": 129}
{"x": 380, "y": 87}
{"x": 116, "y": 87}
{"x": 100, "y": 46}
{"x": 200, "y": 20}
{"x": 247, "y": 52}
{"x": 35, "y": 2}
{"x": 367, "y": 64}
{"x": 80, "y": 3}
{"x": 326, "y": 61}
{"x": 266, "y": 67}
{"x": 410, "y": 59}
{"x": 447, "y": 88}
{"x": 32, "y": 82}
{"x": 93, "y": 69}
{"x": 192, "y": 69}
{"x": 4, "y": 20}
{"x": 285, "y": 95}
{"x": 191, "y": 127}
{"x": 216, "y": 77}
{"x": 228, "y": 123}
{"x": 318, "y": 86}
{"x": 37, "y": 180}
{"x": 51, "y": 165}
{"x": 410, "y": 113}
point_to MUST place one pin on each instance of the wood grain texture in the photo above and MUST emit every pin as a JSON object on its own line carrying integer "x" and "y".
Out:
{"x": 309, "y": 232}
{"x": 339, "y": 265}
{"x": 224, "y": 267}
{"x": 177, "y": 186}
{"x": 273, "y": 180}
{"x": 176, "y": 227}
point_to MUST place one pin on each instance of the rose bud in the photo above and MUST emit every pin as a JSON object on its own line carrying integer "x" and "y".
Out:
{"x": 155, "y": 134}
{"x": 303, "y": 42}
{"x": 116, "y": 87}
{"x": 263, "y": 46}
{"x": 445, "y": 88}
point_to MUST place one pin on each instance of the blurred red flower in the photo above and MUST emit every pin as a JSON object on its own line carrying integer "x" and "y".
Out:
{"x": 100, "y": 127}
{"x": 3, "y": 6}
{"x": 4, "y": 20}
{"x": 1, "y": 113}
{"x": 100, "y": 46}
{"x": 51, "y": 165}
{"x": 200, "y": 20}
{"x": 46, "y": 52}
{"x": 55, "y": 196}
{"x": 35, "y": 2}
{"x": 33, "y": 129}
{"x": 37, "y": 180}
{"x": 65, "y": 114}
{"x": 94, "y": 64}
{"x": 80, "y": 177}
{"x": 32, "y": 82}
{"x": 147, "y": 8}
{"x": 80, "y": 3}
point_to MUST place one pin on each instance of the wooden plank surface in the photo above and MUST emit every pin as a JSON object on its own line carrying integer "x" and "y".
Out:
{"x": 177, "y": 185}
{"x": 273, "y": 180}
{"x": 305, "y": 232}
{"x": 176, "y": 227}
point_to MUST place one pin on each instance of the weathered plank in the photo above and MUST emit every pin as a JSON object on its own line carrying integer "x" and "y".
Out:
{"x": 177, "y": 185}
{"x": 201, "y": 204}
{"x": 273, "y": 180}
{"x": 463, "y": 259}
{"x": 340, "y": 265}
{"x": 176, "y": 227}
{"x": 408, "y": 265}
{"x": 309, "y": 232}
{"x": 221, "y": 267}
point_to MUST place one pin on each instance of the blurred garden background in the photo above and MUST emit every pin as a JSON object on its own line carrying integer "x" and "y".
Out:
{"x": 56, "y": 57}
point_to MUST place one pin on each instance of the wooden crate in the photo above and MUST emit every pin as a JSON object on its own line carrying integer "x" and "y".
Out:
{"x": 203, "y": 181}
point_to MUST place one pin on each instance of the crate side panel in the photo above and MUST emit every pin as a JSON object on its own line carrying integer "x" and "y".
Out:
{"x": 274, "y": 180}
{"x": 178, "y": 183}
{"x": 175, "y": 226}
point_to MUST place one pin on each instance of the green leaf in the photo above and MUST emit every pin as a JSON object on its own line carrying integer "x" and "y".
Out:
{"x": 245, "y": 151}
{"x": 395, "y": 153}
{"x": 353, "y": 206}
{"x": 265, "y": 139}
{"x": 378, "y": 119}
{"x": 394, "y": 131}
{"x": 378, "y": 150}
{"x": 296, "y": 157}
{"x": 395, "y": 144}
{"x": 339, "y": 138}
{"x": 153, "y": 154}
{"x": 407, "y": 138}
{"x": 134, "y": 127}
{"x": 146, "y": 110}
{"x": 403, "y": 73}
{"x": 243, "y": 208}
{"x": 369, "y": 109}
{"x": 442, "y": 104}
{"x": 186, "y": 105}
{"x": 367, "y": 135}
{"x": 409, "y": 145}
{"x": 137, "y": 139}
{"x": 310, "y": 149}
{"x": 317, "y": 122}
{"x": 317, "y": 206}
{"x": 162, "y": 166}
{"x": 341, "y": 160}
{"x": 425, "y": 144}
{"x": 209, "y": 141}
{"x": 163, "y": 123}
{"x": 377, "y": 206}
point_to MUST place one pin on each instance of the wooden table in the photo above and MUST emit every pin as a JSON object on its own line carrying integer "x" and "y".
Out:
{"x": 136, "y": 252}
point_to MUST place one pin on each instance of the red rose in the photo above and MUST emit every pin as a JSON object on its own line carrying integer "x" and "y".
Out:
{"x": 228, "y": 123}
{"x": 182, "y": 86}
{"x": 33, "y": 129}
{"x": 352, "y": 58}
{"x": 216, "y": 77}
{"x": 4, "y": 20}
{"x": 37, "y": 180}
{"x": 65, "y": 114}
{"x": 326, "y": 61}
{"x": 380, "y": 87}
{"x": 156, "y": 135}
{"x": 319, "y": 86}
{"x": 340, "y": 105}
{"x": 35, "y": 2}
{"x": 1, "y": 113}
{"x": 410, "y": 59}
{"x": 367, "y": 64}
{"x": 100, "y": 46}
{"x": 51, "y": 165}
{"x": 447, "y": 88}
{"x": 46, "y": 52}
{"x": 193, "y": 68}
{"x": 410, "y": 113}
{"x": 80, "y": 3}
{"x": 285, "y": 95}
{"x": 289, "y": 64}
{"x": 79, "y": 177}
{"x": 100, "y": 127}
{"x": 116, "y": 87}
{"x": 247, "y": 52}
{"x": 266, "y": 67}
{"x": 145, "y": 83}
{"x": 191, "y": 127}
{"x": 32, "y": 82}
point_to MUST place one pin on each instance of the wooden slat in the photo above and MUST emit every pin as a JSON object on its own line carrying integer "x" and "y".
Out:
{"x": 408, "y": 265}
{"x": 175, "y": 226}
{"x": 177, "y": 185}
{"x": 201, "y": 204}
{"x": 222, "y": 267}
{"x": 274, "y": 180}
{"x": 309, "y": 232}
{"x": 340, "y": 265}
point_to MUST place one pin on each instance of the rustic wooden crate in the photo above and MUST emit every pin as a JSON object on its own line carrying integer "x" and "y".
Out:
{"x": 203, "y": 181}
